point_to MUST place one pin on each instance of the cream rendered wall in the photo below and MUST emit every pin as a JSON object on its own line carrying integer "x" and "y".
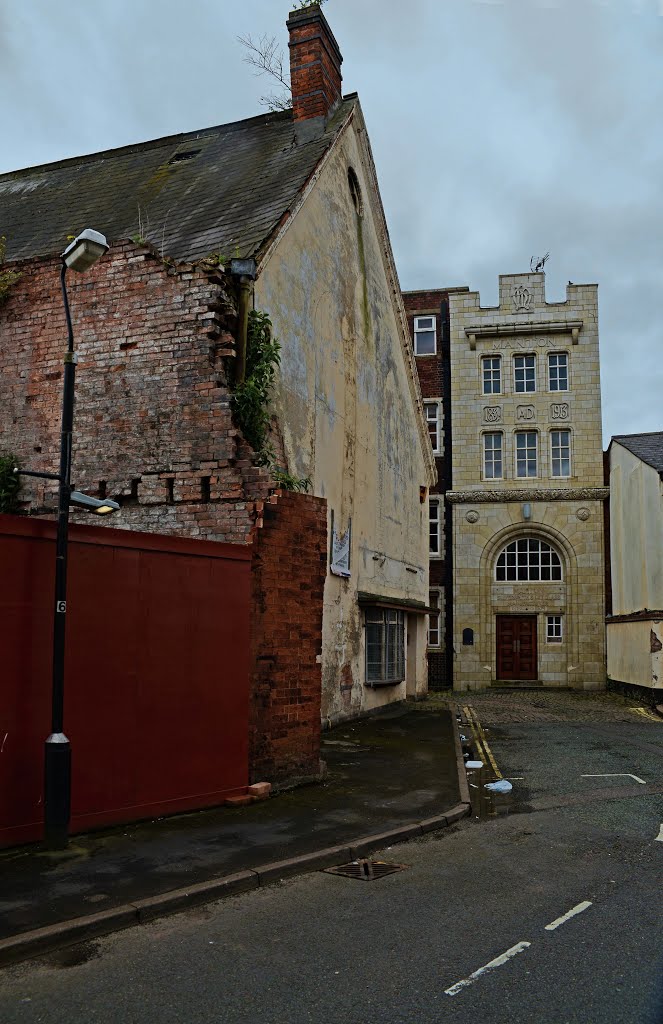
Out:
{"x": 347, "y": 416}
{"x": 565, "y": 512}
{"x": 636, "y": 533}
{"x": 634, "y": 655}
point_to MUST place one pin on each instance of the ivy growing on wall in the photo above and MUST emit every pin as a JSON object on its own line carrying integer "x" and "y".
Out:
{"x": 250, "y": 400}
{"x": 251, "y": 397}
{"x": 9, "y": 484}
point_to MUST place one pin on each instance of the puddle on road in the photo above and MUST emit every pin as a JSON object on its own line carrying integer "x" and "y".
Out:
{"x": 72, "y": 956}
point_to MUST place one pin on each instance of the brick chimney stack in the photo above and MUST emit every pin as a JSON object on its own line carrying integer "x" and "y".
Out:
{"x": 315, "y": 65}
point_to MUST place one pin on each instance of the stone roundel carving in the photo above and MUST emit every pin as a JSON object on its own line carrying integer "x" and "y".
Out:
{"x": 472, "y": 516}
{"x": 583, "y": 514}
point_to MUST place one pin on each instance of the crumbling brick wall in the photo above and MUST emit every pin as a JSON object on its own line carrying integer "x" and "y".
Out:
{"x": 152, "y": 425}
{"x": 288, "y": 576}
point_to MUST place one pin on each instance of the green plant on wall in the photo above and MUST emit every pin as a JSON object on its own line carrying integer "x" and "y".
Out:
{"x": 8, "y": 278}
{"x": 250, "y": 398}
{"x": 9, "y": 483}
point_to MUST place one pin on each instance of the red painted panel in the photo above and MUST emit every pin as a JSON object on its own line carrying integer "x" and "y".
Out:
{"x": 156, "y": 688}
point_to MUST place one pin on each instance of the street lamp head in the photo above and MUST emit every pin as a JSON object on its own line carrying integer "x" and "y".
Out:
{"x": 98, "y": 506}
{"x": 85, "y": 250}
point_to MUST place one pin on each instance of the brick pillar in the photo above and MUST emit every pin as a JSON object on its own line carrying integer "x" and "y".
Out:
{"x": 315, "y": 65}
{"x": 288, "y": 577}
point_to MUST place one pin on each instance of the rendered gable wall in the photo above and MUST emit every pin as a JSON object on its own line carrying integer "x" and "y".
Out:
{"x": 347, "y": 417}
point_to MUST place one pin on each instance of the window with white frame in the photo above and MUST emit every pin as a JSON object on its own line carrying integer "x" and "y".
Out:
{"x": 434, "y": 619}
{"x": 492, "y": 456}
{"x": 385, "y": 646}
{"x": 435, "y": 527}
{"x": 524, "y": 373}
{"x": 558, "y": 371}
{"x": 528, "y": 559}
{"x": 491, "y": 372}
{"x": 554, "y": 632}
{"x": 526, "y": 452}
{"x": 560, "y": 452}
{"x": 433, "y": 419}
{"x": 425, "y": 342}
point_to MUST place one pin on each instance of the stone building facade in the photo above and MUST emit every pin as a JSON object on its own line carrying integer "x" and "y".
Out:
{"x": 527, "y": 495}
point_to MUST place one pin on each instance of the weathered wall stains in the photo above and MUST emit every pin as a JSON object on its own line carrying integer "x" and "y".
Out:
{"x": 345, "y": 403}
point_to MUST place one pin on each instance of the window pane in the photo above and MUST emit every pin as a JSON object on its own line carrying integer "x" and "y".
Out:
{"x": 525, "y": 373}
{"x": 560, "y": 449}
{"x": 492, "y": 375}
{"x": 558, "y": 371}
{"x": 528, "y": 559}
{"x": 432, "y": 418}
{"x": 424, "y": 343}
{"x": 434, "y": 619}
{"x": 492, "y": 456}
{"x": 526, "y": 453}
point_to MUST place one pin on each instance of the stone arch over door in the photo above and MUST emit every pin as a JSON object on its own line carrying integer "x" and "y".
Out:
{"x": 489, "y": 555}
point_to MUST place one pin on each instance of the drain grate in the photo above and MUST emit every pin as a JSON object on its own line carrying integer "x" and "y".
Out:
{"x": 365, "y": 870}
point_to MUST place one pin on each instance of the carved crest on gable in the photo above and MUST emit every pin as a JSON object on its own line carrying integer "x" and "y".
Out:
{"x": 521, "y": 297}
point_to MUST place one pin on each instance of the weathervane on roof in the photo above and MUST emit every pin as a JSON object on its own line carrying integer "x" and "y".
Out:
{"x": 536, "y": 266}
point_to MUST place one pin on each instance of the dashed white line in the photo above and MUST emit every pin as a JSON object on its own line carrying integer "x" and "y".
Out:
{"x": 497, "y": 962}
{"x": 615, "y": 775}
{"x": 569, "y": 914}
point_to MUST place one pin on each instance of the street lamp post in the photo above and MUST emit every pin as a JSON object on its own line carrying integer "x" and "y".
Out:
{"x": 83, "y": 252}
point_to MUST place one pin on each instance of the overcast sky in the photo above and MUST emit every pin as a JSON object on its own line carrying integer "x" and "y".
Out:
{"x": 501, "y": 130}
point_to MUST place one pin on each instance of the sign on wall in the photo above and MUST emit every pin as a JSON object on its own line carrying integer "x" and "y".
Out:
{"x": 340, "y": 550}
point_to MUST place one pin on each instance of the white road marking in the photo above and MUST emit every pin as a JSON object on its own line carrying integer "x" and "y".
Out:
{"x": 659, "y": 837}
{"x": 569, "y": 914}
{"x": 497, "y": 962}
{"x": 615, "y": 775}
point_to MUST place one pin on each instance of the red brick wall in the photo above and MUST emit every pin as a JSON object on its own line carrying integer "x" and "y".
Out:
{"x": 315, "y": 65}
{"x": 289, "y": 570}
{"x": 152, "y": 425}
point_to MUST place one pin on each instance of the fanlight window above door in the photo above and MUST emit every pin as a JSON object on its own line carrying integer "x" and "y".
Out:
{"x": 528, "y": 559}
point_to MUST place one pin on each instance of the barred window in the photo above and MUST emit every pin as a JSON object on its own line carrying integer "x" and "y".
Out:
{"x": 560, "y": 450}
{"x": 528, "y": 559}
{"x": 554, "y": 629}
{"x": 492, "y": 456}
{"x": 525, "y": 373}
{"x": 385, "y": 646}
{"x": 432, "y": 410}
{"x": 558, "y": 371}
{"x": 491, "y": 367}
{"x": 526, "y": 453}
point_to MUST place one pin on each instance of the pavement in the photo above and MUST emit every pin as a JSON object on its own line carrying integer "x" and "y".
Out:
{"x": 390, "y": 777}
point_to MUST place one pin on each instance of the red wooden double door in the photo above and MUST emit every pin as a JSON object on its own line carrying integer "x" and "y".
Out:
{"x": 516, "y": 647}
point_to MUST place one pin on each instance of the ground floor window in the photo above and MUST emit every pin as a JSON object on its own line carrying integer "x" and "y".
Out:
{"x": 385, "y": 646}
{"x": 554, "y": 629}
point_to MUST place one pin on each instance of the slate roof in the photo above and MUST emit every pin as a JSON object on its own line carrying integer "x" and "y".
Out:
{"x": 221, "y": 189}
{"x": 648, "y": 447}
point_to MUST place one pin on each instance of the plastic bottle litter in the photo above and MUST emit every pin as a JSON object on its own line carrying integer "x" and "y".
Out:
{"x": 503, "y": 786}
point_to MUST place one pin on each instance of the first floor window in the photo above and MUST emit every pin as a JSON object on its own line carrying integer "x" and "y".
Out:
{"x": 434, "y": 526}
{"x": 433, "y": 421}
{"x": 528, "y": 559}
{"x": 425, "y": 342}
{"x": 492, "y": 456}
{"x": 560, "y": 441}
{"x": 385, "y": 645}
{"x": 526, "y": 453}
{"x": 434, "y": 619}
{"x": 554, "y": 629}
